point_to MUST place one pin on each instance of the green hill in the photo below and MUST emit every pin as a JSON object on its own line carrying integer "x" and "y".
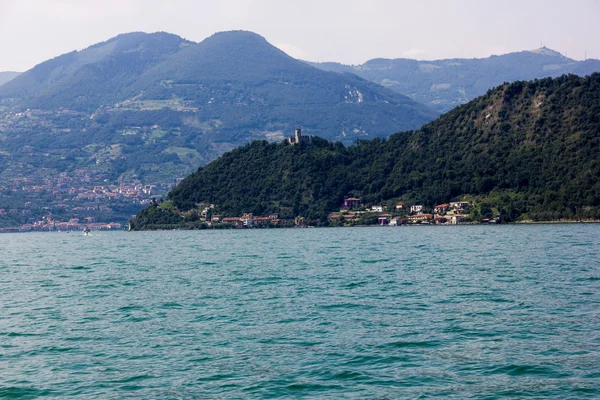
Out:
{"x": 445, "y": 84}
{"x": 526, "y": 150}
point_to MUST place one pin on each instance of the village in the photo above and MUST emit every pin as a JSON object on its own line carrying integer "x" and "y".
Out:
{"x": 354, "y": 213}
{"x": 452, "y": 213}
{"x": 51, "y": 200}
{"x": 48, "y": 224}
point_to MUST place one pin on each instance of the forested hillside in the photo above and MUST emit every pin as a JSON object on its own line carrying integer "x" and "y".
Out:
{"x": 527, "y": 149}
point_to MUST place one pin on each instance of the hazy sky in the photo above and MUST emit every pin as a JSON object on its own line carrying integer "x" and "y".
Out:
{"x": 348, "y": 31}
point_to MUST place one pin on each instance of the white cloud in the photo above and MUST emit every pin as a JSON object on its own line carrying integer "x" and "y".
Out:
{"x": 348, "y": 31}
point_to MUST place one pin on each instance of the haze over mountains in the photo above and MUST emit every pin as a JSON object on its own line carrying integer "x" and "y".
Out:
{"x": 7, "y": 76}
{"x": 444, "y": 84}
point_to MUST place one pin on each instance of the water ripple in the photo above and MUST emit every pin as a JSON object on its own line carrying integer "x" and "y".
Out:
{"x": 436, "y": 312}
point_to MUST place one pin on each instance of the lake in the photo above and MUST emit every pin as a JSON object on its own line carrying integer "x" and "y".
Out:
{"x": 507, "y": 311}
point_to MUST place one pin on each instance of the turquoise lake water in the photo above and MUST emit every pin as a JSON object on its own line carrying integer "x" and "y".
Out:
{"x": 481, "y": 312}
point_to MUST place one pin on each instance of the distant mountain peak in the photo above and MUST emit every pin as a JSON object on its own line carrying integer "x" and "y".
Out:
{"x": 235, "y": 36}
{"x": 115, "y": 62}
{"x": 134, "y": 39}
{"x": 229, "y": 55}
{"x": 236, "y": 39}
{"x": 546, "y": 52}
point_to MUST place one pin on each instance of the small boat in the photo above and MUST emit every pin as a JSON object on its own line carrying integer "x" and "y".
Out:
{"x": 86, "y": 232}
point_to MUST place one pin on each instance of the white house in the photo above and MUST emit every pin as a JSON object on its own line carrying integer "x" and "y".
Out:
{"x": 459, "y": 205}
{"x": 417, "y": 208}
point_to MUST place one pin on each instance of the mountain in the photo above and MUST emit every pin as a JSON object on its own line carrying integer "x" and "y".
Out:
{"x": 523, "y": 150}
{"x": 444, "y": 84}
{"x": 7, "y": 76}
{"x": 155, "y": 106}
{"x": 243, "y": 88}
{"x": 84, "y": 80}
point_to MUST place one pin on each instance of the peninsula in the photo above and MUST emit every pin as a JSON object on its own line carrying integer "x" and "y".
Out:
{"x": 523, "y": 151}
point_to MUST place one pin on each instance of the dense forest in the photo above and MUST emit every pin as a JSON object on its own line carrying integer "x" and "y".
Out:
{"x": 529, "y": 150}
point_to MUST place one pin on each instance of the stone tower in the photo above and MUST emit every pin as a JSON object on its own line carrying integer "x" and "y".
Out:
{"x": 298, "y": 138}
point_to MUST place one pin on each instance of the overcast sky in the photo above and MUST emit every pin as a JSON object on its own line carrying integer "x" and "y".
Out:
{"x": 347, "y": 31}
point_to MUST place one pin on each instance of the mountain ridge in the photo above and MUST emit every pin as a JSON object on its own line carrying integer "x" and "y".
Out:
{"x": 446, "y": 83}
{"x": 120, "y": 57}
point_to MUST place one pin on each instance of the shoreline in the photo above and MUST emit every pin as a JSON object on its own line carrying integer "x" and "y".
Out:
{"x": 527, "y": 222}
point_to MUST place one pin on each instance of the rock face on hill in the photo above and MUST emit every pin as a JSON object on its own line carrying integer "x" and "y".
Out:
{"x": 523, "y": 150}
{"x": 445, "y": 84}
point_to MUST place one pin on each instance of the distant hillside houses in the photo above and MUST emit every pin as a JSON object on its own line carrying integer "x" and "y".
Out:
{"x": 354, "y": 212}
{"x": 352, "y": 202}
{"x": 49, "y": 224}
{"x": 249, "y": 220}
{"x": 417, "y": 208}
